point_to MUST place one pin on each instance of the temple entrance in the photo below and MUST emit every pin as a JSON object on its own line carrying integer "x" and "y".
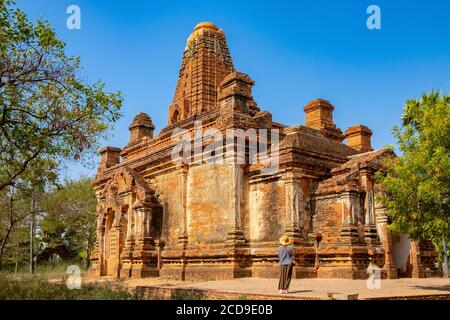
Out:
{"x": 155, "y": 226}
{"x": 401, "y": 247}
{"x": 107, "y": 265}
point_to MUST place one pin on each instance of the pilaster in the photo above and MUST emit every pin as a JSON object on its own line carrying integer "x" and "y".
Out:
{"x": 182, "y": 180}
{"x": 292, "y": 228}
{"x": 235, "y": 236}
{"x": 144, "y": 252}
{"x": 348, "y": 232}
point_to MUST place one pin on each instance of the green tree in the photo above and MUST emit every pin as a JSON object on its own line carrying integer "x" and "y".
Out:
{"x": 69, "y": 218}
{"x": 47, "y": 112}
{"x": 16, "y": 207}
{"x": 418, "y": 183}
{"x": 14, "y": 229}
{"x": 13, "y": 215}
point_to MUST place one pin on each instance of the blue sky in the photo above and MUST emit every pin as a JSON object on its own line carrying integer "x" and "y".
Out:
{"x": 296, "y": 51}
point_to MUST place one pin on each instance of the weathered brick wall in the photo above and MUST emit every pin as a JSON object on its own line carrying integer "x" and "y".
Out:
{"x": 167, "y": 185}
{"x": 327, "y": 219}
{"x": 266, "y": 210}
{"x": 208, "y": 203}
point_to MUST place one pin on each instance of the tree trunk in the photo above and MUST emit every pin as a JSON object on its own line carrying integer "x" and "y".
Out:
{"x": 88, "y": 261}
{"x": 32, "y": 237}
{"x": 17, "y": 252}
{"x": 16, "y": 267}
{"x": 8, "y": 232}
{"x": 445, "y": 263}
{"x": 2, "y": 249}
{"x": 88, "y": 255}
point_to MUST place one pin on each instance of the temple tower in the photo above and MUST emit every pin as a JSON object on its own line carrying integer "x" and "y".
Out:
{"x": 206, "y": 61}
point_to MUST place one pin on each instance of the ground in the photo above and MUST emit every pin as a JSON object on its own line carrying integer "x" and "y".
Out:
{"x": 302, "y": 288}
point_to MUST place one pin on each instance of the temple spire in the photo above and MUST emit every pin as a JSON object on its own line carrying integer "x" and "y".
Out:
{"x": 206, "y": 61}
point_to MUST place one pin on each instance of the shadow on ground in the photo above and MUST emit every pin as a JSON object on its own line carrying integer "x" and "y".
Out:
{"x": 441, "y": 288}
{"x": 300, "y": 291}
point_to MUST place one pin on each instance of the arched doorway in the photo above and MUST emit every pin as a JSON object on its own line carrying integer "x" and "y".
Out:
{"x": 175, "y": 115}
{"x": 130, "y": 225}
{"x": 107, "y": 267}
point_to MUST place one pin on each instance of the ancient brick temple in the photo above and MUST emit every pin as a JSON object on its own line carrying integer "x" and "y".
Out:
{"x": 197, "y": 220}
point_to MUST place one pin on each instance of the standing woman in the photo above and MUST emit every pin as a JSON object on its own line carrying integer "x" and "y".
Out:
{"x": 286, "y": 256}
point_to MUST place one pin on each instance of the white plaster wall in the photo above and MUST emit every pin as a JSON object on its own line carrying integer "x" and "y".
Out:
{"x": 401, "y": 246}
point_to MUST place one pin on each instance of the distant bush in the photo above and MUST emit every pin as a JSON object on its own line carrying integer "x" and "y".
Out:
{"x": 27, "y": 287}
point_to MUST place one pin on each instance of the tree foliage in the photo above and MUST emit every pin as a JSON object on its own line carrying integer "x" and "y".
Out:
{"x": 69, "y": 218}
{"x": 15, "y": 212}
{"x": 47, "y": 112}
{"x": 418, "y": 183}
{"x": 64, "y": 215}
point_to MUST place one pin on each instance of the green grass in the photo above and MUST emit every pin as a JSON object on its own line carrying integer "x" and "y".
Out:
{"x": 21, "y": 287}
{"x": 55, "y": 269}
{"x": 49, "y": 283}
